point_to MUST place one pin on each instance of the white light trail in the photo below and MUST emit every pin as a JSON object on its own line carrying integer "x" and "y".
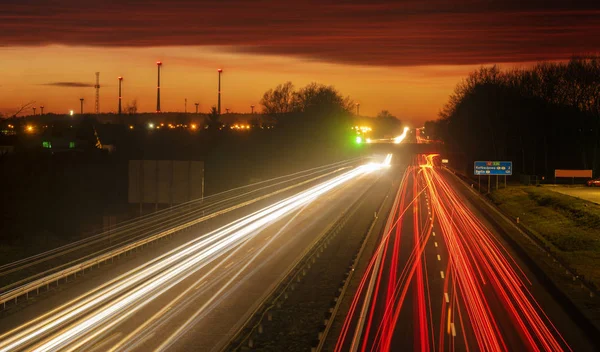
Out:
{"x": 88, "y": 316}
{"x": 401, "y": 137}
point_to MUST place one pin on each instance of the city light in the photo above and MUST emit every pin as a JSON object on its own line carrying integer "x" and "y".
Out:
{"x": 130, "y": 127}
{"x": 362, "y": 129}
{"x": 358, "y": 139}
{"x": 71, "y": 112}
{"x": 193, "y": 126}
{"x": 150, "y": 125}
{"x": 239, "y": 127}
{"x": 29, "y": 128}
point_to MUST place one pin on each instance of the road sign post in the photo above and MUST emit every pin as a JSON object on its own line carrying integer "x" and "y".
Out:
{"x": 493, "y": 168}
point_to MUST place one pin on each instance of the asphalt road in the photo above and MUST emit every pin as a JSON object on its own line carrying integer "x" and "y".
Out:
{"x": 186, "y": 297}
{"x": 588, "y": 193}
{"x": 442, "y": 278}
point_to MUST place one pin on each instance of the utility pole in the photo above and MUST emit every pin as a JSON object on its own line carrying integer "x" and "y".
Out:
{"x": 196, "y": 107}
{"x": 158, "y": 64}
{"x": 120, "y": 97}
{"x": 81, "y": 100}
{"x": 185, "y": 106}
{"x": 219, "y": 95}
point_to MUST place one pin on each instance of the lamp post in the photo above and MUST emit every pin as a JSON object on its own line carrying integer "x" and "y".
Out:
{"x": 252, "y": 108}
{"x": 81, "y": 100}
{"x": 42, "y": 110}
{"x": 219, "y": 95}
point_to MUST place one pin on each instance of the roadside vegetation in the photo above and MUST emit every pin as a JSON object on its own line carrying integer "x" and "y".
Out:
{"x": 568, "y": 226}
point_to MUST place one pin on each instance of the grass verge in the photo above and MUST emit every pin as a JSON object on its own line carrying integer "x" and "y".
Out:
{"x": 568, "y": 226}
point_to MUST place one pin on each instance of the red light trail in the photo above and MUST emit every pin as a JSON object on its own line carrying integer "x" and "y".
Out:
{"x": 476, "y": 298}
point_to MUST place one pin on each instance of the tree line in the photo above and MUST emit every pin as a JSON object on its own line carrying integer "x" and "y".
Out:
{"x": 324, "y": 106}
{"x": 542, "y": 118}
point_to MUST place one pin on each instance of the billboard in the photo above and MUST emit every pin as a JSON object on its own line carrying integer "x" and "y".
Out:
{"x": 493, "y": 168}
{"x": 165, "y": 181}
{"x": 573, "y": 173}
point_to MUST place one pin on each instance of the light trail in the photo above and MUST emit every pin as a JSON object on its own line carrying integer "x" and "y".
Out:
{"x": 480, "y": 299}
{"x": 87, "y": 317}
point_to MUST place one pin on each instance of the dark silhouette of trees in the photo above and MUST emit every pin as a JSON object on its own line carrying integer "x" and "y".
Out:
{"x": 542, "y": 118}
{"x": 315, "y": 98}
{"x": 386, "y": 125}
{"x": 131, "y": 108}
{"x": 279, "y": 100}
{"x": 318, "y": 98}
{"x": 213, "y": 118}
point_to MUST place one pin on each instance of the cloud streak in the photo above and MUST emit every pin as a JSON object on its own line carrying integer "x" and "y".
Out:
{"x": 69, "y": 84}
{"x": 384, "y": 33}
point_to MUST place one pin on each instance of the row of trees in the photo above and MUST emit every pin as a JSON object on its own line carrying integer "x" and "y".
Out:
{"x": 544, "y": 117}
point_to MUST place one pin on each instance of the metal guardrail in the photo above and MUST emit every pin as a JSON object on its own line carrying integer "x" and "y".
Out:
{"x": 35, "y": 285}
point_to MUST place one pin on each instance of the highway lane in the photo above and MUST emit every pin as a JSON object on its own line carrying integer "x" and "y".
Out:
{"x": 441, "y": 280}
{"x": 195, "y": 296}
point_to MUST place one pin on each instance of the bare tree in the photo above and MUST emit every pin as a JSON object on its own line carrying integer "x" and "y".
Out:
{"x": 131, "y": 108}
{"x": 279, "y": 100}
{"x": 22, "y": 108}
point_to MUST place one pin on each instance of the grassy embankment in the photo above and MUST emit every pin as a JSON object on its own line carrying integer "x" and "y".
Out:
{"x": 568, "y": 226}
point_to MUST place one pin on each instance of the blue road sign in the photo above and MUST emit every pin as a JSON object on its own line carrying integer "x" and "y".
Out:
{"x": 493, "y": 168}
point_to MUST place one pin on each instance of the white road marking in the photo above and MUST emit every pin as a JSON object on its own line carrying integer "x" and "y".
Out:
{"x": 442, "y": 273}
{"x": 228, "y": 265}
{"x": 446, "y": 296}
{"x": 250, "y": 250}
{"x": 433, "y": 234}
{"x": 439, "y": 258}
{"x": 435, "y": 244}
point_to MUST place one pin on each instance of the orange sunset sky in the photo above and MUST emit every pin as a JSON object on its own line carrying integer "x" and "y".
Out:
{"x": 402, "y": 56}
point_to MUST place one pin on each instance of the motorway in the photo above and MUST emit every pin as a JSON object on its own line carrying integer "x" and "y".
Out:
{"x": 442, "y": 279}
{"x": 194, "y": 295}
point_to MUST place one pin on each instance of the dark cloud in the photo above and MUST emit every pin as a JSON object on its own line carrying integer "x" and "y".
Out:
{"x": 394, "y": 32}
{"x": 69, "y": 84}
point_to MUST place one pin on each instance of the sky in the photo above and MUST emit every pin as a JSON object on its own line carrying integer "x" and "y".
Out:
{"x": 405, "y": 56}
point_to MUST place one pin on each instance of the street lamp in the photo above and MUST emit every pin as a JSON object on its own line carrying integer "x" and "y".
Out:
{"x": 42, "y": 110}
{"x": 81, "y": 100}
{"x": 219, "y": 95}
{"x": 252, "y": 107}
